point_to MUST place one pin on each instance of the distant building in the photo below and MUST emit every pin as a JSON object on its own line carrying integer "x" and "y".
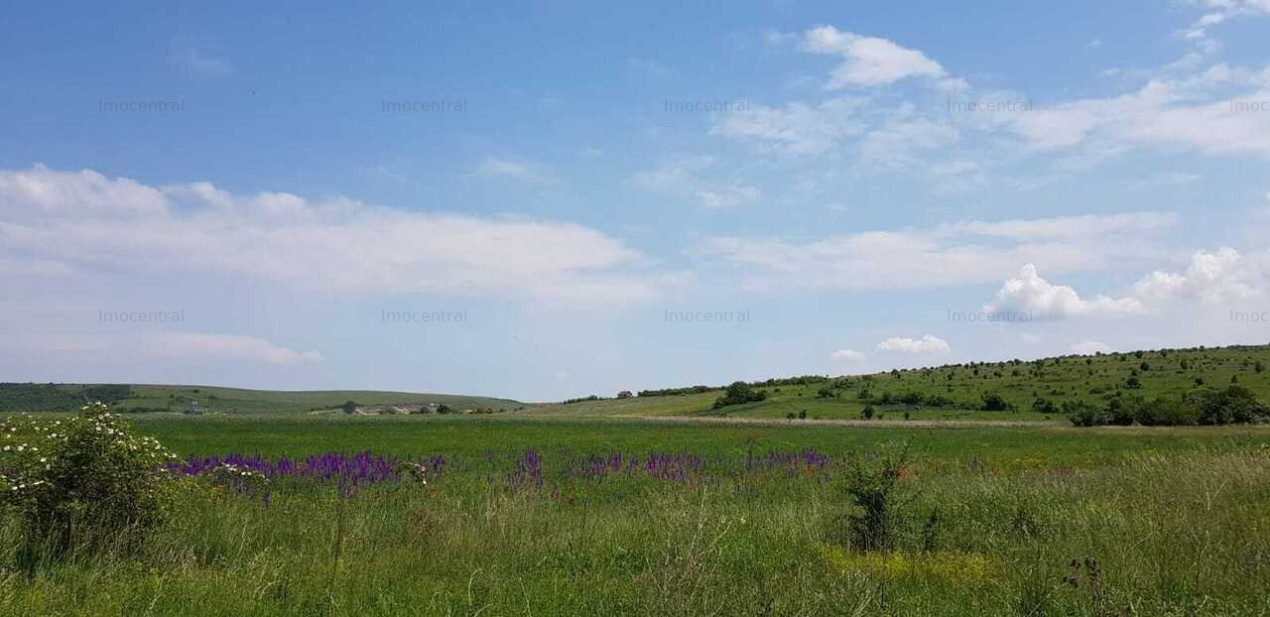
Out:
{"x": 625, "y": 394}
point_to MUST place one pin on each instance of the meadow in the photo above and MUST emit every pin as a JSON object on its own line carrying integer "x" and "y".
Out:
{"x": 668, "y": 505}
{"x": 563, "y": 515}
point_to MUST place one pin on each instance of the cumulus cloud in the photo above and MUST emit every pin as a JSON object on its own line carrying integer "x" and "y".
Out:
{"x": 1090, "y": 348}
{"x": 1041, "y": 300}
{"x": 928, "y": 344}
{"x": 1216, "y": 277}
{"x": 867, "y": 60}
{"x": 93, "y": 225}
{"x": 848, "y": 356}
{"x": 1212, "y": 278}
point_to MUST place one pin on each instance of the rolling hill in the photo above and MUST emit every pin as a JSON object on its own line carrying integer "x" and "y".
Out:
{"x": 175, "y": 398}
{"x": 957, "y": 391}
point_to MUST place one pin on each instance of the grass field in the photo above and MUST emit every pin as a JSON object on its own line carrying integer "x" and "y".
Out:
{"x": 661, "y": 505}
{"x": 1175, "y": 521}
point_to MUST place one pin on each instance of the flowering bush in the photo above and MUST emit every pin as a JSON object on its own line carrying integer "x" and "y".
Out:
{"x": 85, "y": 480}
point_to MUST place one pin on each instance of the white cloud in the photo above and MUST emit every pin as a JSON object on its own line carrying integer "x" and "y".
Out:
{"x": 896, "y": 144}
{"x": 96, "y": 226}
{"x": 1198, "y": 113}
{"x": 1040, "y": 300}
{"x": 1166, "y": 179}
{"x": 1090, "y": 348}
{"x": 928, "y": 344}
{"x": 1222, "y": 11}
{"x": 194, "y": 60}
{"x": 728, "y": 196}
{"x": 1217, "y": 277}
{"x": 797, "y": 128}
{"x": 517, "y": 170}
{"x": 868, "y": 61}
{"x": 945, "y": 255}
{"x": 682, "y": 177}
{"x": 1223, "y": 276}
{"x": 222, "y": 347}
{"x": 848, "y": 356}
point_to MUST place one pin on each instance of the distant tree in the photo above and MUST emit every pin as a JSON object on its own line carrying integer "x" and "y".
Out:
{"x": 739, "y": 393}
{"x": 443, "y": 408}
{"x": 1044, "y": 405}
{"x": 994, "y": 402}
{"x": 1133, "y": 383}
{"x": 1259, "y": 366}
{"x": 867, "y": 413}
{"x": 349, "y": 407}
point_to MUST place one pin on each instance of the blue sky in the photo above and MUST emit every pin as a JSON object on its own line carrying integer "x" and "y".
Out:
{"x": 624, "y": 197}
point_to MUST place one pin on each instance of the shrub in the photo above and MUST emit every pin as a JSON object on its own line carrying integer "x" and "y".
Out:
{"x": 1168, "y": 412}
{"x": 1081, "y": 413}
{"x": 870, "y": 482}
{"x": 1123, "y": 411}
{"x": 994, "y": 402}
{"x": 1235, "y": 404}
{"x": 739, "y": 393}
{"x": 867, "y": 413}
{"x": 1044, "y": 405}
{"x": 86, "y": 481}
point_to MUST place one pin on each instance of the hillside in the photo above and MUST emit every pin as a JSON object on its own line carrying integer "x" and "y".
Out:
{"x": 957, "y": 391}
{"x": 159, "y": 398}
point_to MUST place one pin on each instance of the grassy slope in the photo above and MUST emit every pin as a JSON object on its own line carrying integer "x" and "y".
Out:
{"x": 237, "y": 400}
{"x": 1059, "y": 379}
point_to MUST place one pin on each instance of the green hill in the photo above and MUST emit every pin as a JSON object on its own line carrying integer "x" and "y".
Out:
{"x": 958, "y": 391}
{"x": 159, "y": 398}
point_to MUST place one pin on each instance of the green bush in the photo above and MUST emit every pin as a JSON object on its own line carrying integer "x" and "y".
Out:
{"x": 1081, "y": 413}
{"x": 86, "y": 481}
{"x": 994, "y": 402}
{"x": 1168, "y": 412}
{"x": 738, "y": 393}
{"x": 871, "y": 482}
{"x": 1234, "y": 405}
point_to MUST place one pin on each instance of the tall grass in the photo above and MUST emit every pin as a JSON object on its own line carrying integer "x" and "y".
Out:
{"x": 1184, "y": 534}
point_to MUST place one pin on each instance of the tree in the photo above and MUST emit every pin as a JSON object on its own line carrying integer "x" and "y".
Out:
{"x": 739, "y": 393}
{"x": 994, "y": 402}
{"x": 349, "y": 407}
